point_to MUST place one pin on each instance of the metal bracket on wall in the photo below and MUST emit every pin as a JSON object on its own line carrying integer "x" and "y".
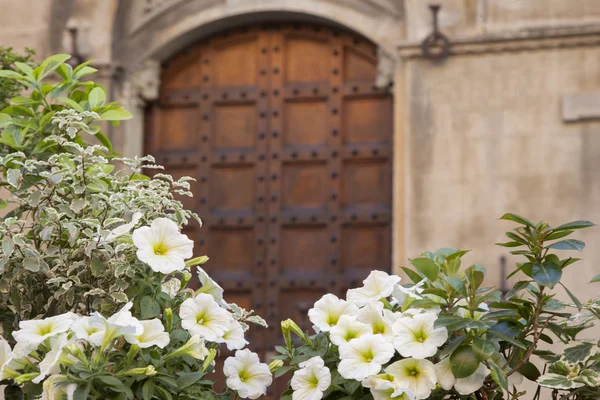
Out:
{"x": 436, "y": 45}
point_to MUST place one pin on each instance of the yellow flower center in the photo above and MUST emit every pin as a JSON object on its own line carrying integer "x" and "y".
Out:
{"x": 160, "y": 249}
{"x": 368, "y": 355}
{"x": 332, "y": 319}
{"x": 245, "y": 375}
{"x": 45, "y": 329}
{"x": 312, "y": 380}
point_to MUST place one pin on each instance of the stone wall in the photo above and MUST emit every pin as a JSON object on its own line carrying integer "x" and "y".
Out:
{"x": 485, "y": 136}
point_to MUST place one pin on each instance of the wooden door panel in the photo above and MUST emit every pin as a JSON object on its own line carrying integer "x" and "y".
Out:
{"x": 358, "y": 66}
{"x": 367, "y": 120}
{"x": 372, "y": 177}
{"x": 236, "y": 62}
{"x": 297, "y": 131}
{"x": 232, "y": 189}
{"x": 291, "y": 146}
{"x": 305, "y": 186}
{"x": 232, "y": 251}
{"x": 177, "y": 127}
{"x": 302, "y": 251}
{"x": 306, "y": 58}
{"x": 235, "y": 126}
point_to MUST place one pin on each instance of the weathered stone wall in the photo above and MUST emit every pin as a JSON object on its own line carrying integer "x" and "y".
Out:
{"x": 485, "y": 136}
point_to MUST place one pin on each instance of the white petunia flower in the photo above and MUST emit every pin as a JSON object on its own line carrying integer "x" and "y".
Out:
{"x": 202, "y": 315}
{"x": 348, "y": 328}
{"x": 378, "y": 285}
{"x": 464, "y": 386}
{"x": 162, "y": 246}
{"x": 194, "y": 347}
{"x": 153, "y": 334}
{"x": 55, "y": 386}
{"x": 328, "y": 310}
{"x": 404, "y": 296}
{"x": 119, "y": 324}
{"x": 384, "y": 387}
{"x": 247, "y": 375}
{"x": 11, "y": 364}
{"x": 234, "y": 336}
{"x": 50, "y": 364}
{"x": 418, "y": 376}
{"x": 125, "y": 228}
{"x": 364, "y": 356}
{"x": 34, "y": 332}
{"x": 5, "y": 356}
{"x": 372, "y": 314}
{"x": 416, "y": 336}
{"x": 171, "y": 287}
{"x": 209, "y": 286}
{"x": 311, "y": 380}
{"x": 82, "y": 328}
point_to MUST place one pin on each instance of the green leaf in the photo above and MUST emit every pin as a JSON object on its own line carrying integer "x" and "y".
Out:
{"x": 529, "y": 371}
{"x": 482, "y": 349}
{"x": 558, "y": 235}
{"x": 509, "y": 244}
{"x": 567, "y": 244}
{"x": 26, "y": 69}
{"x": 188, "y": 378}
{"x": 413, "y": 276}
{"x": 595, "y": 279}
{"x": 7, "y": 73}
{"x": 148, "y": 390}
{"x": 97, "y": 267}
{"x": 546, "y": 274}
{"x": 13, "y": 176}
{"x": 282, "y": 371}
{"x": 97, "y": 97}
{"x": 556, "y": 381}
{"x": 498, "y": 375}
{"x": 117, "y": 114}
{"x": 573, "y": 225}
{"x": 574, "y": 299}
{"x": 456, "y": 284}
{"x": 518, "y": 219}
{"x": 579, "y": 353}
{"x": 104, "y": 140}
{"x": 454, "y": 343}
{"x": 51, "y": 63}
{"x": 464, "y": 362}
{"x": 72, "y": 103}
{"x": 77, "y": 74}
{"x": 505, "y": 338}
{"x": 427, "y": 267}
{"x": 149, "y": 308}
{"x": 517, "y": 287}
{"x": 475, "y": 275}
{"x": 82, "y": 392}
{"x": 110, "y": 380}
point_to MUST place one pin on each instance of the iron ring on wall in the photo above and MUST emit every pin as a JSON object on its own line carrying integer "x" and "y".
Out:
{"x": 436, "y": 46}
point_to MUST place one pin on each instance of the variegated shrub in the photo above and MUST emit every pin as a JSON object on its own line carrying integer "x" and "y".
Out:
{"x": 94, "y": 271}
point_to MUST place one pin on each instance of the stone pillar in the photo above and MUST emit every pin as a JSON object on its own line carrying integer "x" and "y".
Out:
{"x": 140, "y": 86}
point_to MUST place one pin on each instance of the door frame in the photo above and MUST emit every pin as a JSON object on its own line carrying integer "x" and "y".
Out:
{"x": 140, "y": 84}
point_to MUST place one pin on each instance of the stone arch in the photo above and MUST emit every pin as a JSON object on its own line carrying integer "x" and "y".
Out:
{"x": 156, "y": 29}
{"x": 147, "y": 32}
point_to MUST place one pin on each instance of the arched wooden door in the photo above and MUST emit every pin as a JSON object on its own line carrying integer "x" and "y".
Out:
{"x": 291, "y": 147}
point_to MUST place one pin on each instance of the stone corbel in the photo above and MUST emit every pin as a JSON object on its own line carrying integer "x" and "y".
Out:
{"x": 141, "y": 86}
{"x": 386, "y": 66}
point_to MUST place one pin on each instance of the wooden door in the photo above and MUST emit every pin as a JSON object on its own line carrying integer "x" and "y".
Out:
{"x": 291, "y": 147}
